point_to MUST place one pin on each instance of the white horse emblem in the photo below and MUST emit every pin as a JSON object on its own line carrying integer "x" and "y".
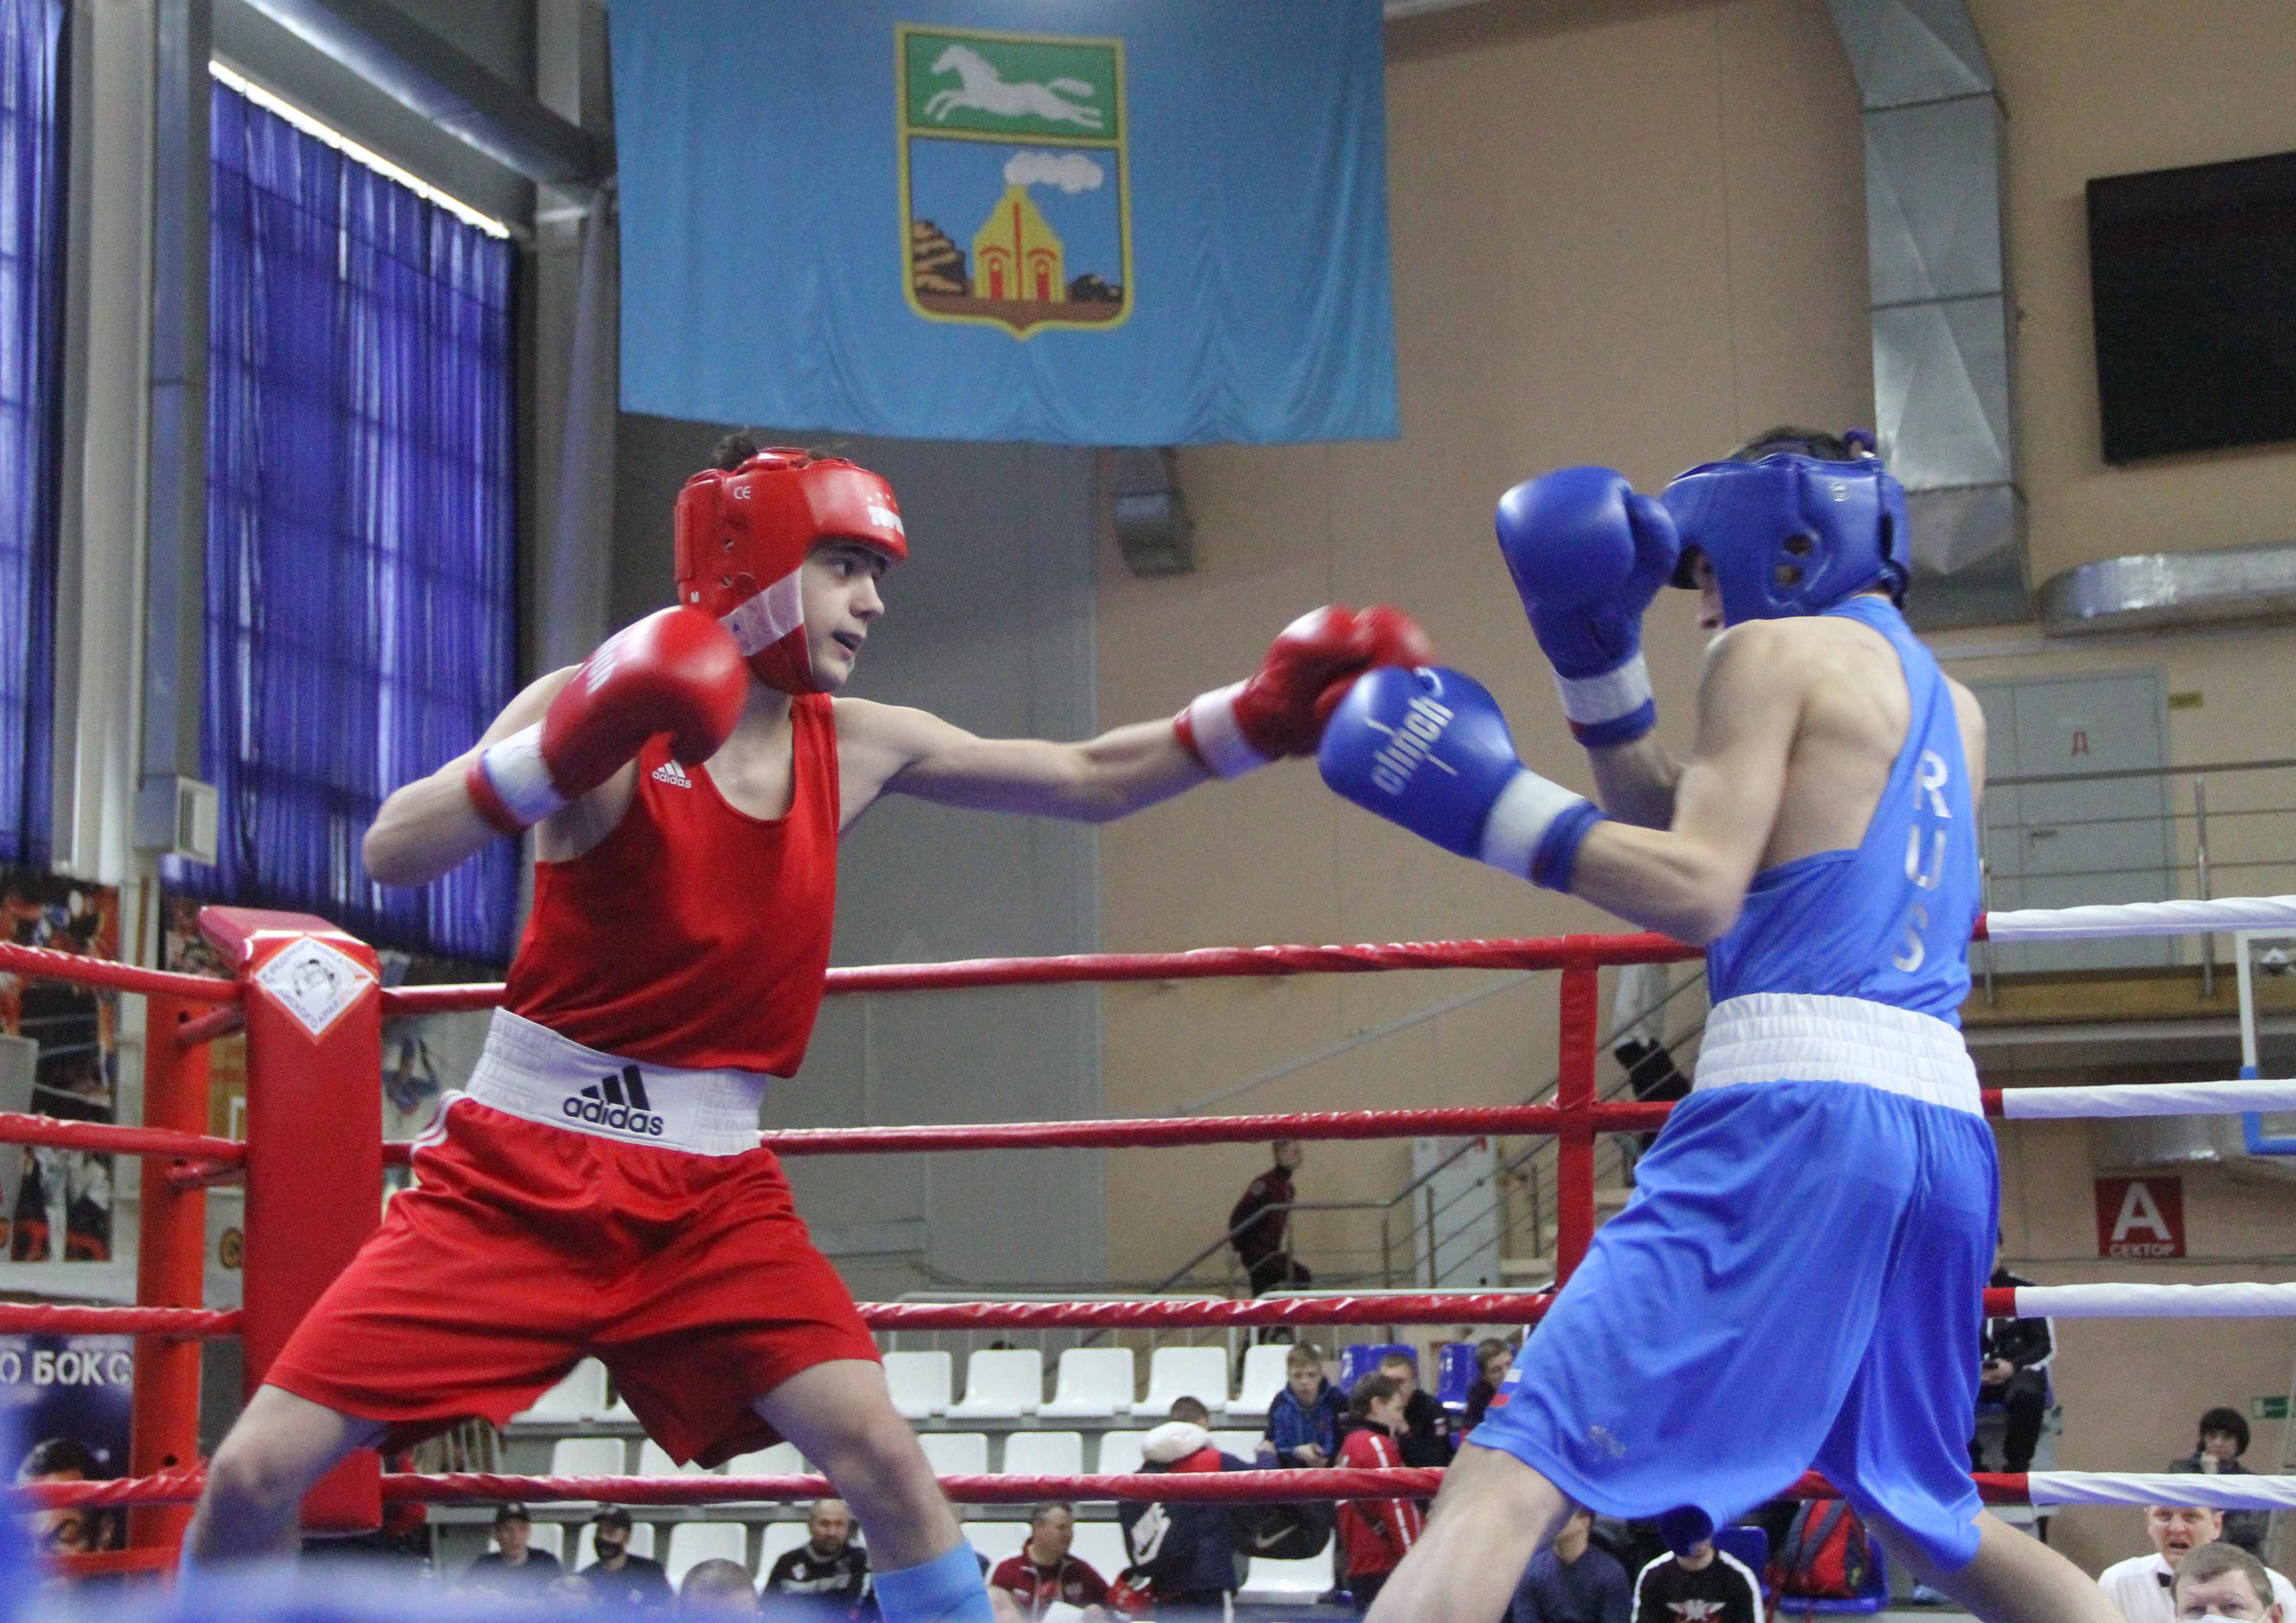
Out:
{"x": 985, "y": 90}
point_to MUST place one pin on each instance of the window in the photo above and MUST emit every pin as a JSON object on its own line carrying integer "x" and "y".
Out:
{"x": 361, "y": 611}
{"x": 31, "y": 351}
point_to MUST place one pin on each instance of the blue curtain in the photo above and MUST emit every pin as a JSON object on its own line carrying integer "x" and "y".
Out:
{"x": 31, "y": 350}
{"x": 360, "y": 591}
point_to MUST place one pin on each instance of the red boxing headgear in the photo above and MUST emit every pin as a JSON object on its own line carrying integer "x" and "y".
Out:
{"x": 743, "y": 535}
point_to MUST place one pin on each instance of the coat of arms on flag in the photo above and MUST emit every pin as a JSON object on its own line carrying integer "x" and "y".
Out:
{"x": 1013, "y": 188}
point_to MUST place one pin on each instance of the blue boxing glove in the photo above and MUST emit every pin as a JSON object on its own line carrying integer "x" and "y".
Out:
{"x": 1587, "y": 555}
{"x": 1428, "y": 749}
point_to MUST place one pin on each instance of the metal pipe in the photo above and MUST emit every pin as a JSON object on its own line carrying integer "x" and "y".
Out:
{"x": 2200, "y": 860}
{"x": 170, "y": 1265}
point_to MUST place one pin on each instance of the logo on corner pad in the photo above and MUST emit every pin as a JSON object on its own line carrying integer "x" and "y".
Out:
{"x": 1016, "y": 210}
{"x": 315, "y": 982}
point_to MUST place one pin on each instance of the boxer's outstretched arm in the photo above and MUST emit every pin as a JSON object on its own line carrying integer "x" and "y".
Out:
{"x": 891, "y": 749}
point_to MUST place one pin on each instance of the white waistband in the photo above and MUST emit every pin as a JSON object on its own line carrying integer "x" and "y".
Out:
{"x": 528, "y": 1070}
{"x": 1799, "y": 1037}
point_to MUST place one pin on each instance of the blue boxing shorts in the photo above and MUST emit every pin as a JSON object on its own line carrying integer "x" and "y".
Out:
{"x": 1798, "y": 1281}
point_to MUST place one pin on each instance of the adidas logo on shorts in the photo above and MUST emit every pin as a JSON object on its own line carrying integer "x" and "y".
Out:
{"x": 673, "y": 775}
{"x": 619, "y": 1103}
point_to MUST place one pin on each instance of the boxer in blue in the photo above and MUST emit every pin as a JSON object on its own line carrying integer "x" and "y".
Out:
{"x": 1798, "y": 1279}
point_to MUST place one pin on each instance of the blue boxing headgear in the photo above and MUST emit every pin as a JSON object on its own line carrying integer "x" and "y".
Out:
{"x": 1792, "y": 534}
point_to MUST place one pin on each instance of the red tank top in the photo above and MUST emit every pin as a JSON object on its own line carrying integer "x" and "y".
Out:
{"x": 694, "y": 935}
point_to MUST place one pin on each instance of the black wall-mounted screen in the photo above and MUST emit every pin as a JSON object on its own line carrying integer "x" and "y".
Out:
{"x": 2193, "y": 273}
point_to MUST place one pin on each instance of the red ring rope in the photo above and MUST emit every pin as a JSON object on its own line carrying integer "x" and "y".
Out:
{"x": 108, "y": 1138}
{"x": 46, "y": 963}
{"x": 178, "y": 1323}
{"x": 1181, "y": 1488}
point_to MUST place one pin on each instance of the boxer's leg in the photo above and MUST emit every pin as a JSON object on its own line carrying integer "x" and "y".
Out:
{"x": 1493, "y": 1514}
{"x": 2012, "y": 1578}
{"x": 842, "y": 1417}
{"x": 278, "y": 1448}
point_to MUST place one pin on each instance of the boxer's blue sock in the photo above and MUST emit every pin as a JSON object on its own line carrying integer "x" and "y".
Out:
{"x": 946, "y": 1589}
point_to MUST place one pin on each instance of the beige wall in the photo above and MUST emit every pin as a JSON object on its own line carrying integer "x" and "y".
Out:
{"x": 2097, "y": 88}
{"x": 1633, "y": 231}
{"x": 1633, "y": 242}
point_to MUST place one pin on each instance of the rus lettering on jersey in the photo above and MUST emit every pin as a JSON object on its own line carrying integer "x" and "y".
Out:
{"x": 1930, "y": 812}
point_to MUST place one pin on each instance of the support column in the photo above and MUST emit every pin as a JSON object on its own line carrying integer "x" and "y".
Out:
{"x": 170, "y": 1261}
{"x": 1574, "y": 1099}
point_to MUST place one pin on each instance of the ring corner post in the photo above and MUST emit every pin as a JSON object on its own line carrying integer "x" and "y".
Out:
{"x": 314, "y": 1002}
{"x": 170, "y": 1261}
{"x": 1579, "y": 1020}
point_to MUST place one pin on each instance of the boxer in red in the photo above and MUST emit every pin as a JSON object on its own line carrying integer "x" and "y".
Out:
{"x": 599, "y": 1189}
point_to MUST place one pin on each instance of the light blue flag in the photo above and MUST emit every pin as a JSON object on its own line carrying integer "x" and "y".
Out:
{"x": 1092, "y": 222}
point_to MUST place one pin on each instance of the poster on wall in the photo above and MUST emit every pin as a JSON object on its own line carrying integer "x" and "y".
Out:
{"x": 56, "y": 1205}
{"x": 2140, "y": 1217}
{"x": 64, "y": 1405}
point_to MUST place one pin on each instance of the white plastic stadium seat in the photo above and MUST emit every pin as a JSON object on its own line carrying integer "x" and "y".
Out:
{"x": 1120, "y": 1454}
{"x": 587, "y": 1456}
{"x": 781, "y": 1538}
{"x": 581, "y": 1396}
{"x": 1286, "y": 1582}
{"x": 586, "y": 1552}
{"x": 1100, "y": 1545}
{"x": 1000, "y": 1385}
{"x": 692, "y": 1543}
{"x": 1243, "y": 1445}
{"x": 654, "y": 1461}
{"x": 955, "y": 1454}
{"x": 1199, "y": 1373}
{"x": 781, "y": 1460}
{"x": 1093, "y": 1382}
{"x": 1264, "y": 1373}
{"x": 921, "y": 1383}
{"x": 1044, "y": 1454}
{"x": 997, "y": 1539}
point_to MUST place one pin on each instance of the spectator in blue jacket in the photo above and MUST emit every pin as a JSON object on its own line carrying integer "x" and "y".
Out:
{"x": 1303, "y": 1422}
{"x": 1185, "y": 1552}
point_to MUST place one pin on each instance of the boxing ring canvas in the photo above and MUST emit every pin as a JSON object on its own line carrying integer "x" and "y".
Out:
{"x": 984, "y": 219}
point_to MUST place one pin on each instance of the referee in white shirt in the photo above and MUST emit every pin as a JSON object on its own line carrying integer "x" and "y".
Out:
{"x": 2139, "y": 1586}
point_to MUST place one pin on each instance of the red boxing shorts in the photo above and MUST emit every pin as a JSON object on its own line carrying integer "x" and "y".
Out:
{"x": 524, "y": 1247}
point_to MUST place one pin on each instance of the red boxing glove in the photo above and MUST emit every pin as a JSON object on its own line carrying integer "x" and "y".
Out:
{"x": 677, "y": 671}
{"x": 1395, "y": 638}
{"x": 1277, "y": 710}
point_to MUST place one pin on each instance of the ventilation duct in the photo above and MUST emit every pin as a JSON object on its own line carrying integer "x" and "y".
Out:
{"x": 2157, "y": 590}
{"x": 1943, "y": 332}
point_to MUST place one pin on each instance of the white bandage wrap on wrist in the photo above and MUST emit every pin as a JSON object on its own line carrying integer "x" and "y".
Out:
{"x": 1519, "y": 820}
{"x": 1219, "y": 741}
{"x": 1588, "y": 701}
{"x": 520, "y": 776}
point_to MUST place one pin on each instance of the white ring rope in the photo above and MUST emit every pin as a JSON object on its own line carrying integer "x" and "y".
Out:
{"x": 2147, "y": 1099}
{"x": 2114, "y": 919}
{"x": 2240, "y": 1493}
{"x": 2119, "y": 1301}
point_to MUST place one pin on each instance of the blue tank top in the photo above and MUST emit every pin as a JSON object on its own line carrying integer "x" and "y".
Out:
{"x": 1889, "y": 921}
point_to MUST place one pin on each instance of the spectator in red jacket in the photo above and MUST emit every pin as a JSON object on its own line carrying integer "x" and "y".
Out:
{"x": 1375, "y": 1533}
{"x": 1257, "y": 1223}
{"x": 1043, "y": 1572}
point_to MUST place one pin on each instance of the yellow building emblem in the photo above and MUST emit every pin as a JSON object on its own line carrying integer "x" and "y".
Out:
{"x": 1017, "y": 256}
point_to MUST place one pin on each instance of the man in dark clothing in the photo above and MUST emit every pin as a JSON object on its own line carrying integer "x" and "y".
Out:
{"x": 828, "y": 1575}
{"x": 1185, "y": 1552}
{"x": 2014, "y": 1356}
{"x": 511, "y": 1567}
{"x": 618, "y": 1578}
{"x": 1425, "y": 1434}
{"x": 1257, "y": 1225}
{"x": 2224, "y": 1438}
{"x": 1706, "y": 1586}
{"x": 1573, "y": 1580}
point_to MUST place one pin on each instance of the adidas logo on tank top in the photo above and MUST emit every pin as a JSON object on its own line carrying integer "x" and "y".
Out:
{"x": 673, "y": 775}
{"x": 619, "y": 1103}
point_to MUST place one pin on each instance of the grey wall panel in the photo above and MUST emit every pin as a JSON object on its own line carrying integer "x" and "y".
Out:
{"x": 991, "y": 624}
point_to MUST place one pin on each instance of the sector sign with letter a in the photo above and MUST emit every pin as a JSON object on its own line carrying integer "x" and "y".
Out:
{"x": 1015, "y": 202}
